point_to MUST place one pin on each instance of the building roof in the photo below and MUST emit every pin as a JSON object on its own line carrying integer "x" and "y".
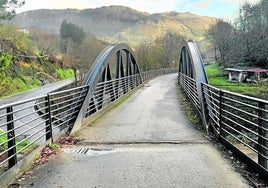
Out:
{"x": 239, "y": 69}
{"x": 258, "y": 70}
{"x": 247, "y": 69}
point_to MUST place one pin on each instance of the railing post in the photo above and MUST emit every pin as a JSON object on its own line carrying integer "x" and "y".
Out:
{"x": 220, "y": 113}
{"x": 262, "y": 134}
{"x": 11, "y": 144}
{"x": 204, "y": 104}
{"x": 48, "y": 118}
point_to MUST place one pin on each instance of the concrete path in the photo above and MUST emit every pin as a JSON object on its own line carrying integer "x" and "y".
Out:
{"x": 145, "y": 142}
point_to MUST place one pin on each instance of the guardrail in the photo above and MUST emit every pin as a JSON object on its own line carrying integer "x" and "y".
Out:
{"x": 189, "y": 86}
{"x": 29, "y": 124}
{"x": 153, "y": 73}
{"x": 237, "y": 120}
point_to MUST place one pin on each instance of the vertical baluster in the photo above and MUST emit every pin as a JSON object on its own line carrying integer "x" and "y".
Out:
{"x": 12, "y": 153}
{"x": 262, "y": 134}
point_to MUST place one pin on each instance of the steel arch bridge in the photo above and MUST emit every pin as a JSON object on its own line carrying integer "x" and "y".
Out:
{"x": 192, "y": 74}
{"x": 114, "y": 73}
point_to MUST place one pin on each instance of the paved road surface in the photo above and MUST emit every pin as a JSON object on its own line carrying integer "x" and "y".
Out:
{"x": 35, "y": 92}
{"x": 145, "y": 142}
{"x": 29, "y": 109}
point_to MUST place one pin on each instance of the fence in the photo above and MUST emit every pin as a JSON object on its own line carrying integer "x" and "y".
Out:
{"x": 189, "y": 86}
{"x": 26, "y": 125}
{"x": 238, "y": 120}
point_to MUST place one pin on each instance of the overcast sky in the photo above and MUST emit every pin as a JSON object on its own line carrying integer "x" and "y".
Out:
{"x": 216, "y": 8}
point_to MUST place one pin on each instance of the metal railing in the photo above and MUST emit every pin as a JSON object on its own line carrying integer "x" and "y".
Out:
{"x": 153, "y": 73}
{"x": 239, "y": 121}
{"x": 109, "y": 91}
{"x": 190, "y": 88}
{"x": 25, "y": 125}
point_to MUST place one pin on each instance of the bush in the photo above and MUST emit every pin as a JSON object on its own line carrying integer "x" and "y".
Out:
{"x": 65, "y": 74}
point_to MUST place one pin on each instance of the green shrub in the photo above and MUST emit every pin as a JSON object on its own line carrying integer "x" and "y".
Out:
{"x": 65, "y": 74}
{"x": 20, "y": 146}
{"x": 5, "y": 60}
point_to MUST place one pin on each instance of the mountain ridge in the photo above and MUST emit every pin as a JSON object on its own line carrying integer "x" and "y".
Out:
{"x": 118, "y": 23}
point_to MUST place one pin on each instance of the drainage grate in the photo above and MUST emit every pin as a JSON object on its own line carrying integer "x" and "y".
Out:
{"x": 82, "y": 150}
{"x": 89, "y": 151}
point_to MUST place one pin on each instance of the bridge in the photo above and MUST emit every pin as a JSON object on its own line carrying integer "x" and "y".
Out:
{"x": 149, "y": 128}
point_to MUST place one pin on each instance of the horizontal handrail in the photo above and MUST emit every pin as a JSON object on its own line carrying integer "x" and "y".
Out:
{"x": 240, "y": 120}
{"x": 30, "y": 123}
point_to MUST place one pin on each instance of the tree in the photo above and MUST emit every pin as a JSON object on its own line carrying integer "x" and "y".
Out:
{"x": 253, "y": 27}
{"x": 71, "y": 31}
{"x": 161, "y": 53}
{"x": 7, "y": 8}
{"x": 81, "y": 56}
{"x": 246, "y": 42}
{"x": 220, "y": 36}
{"x": 169, "y": 45}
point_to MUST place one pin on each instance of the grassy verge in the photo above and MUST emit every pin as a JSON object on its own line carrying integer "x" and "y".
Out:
{"x": 20, "y": 146}
{"x": 65, "y": 73}
{"x": 190, "y": 111}
{"x": 218, "y": 77}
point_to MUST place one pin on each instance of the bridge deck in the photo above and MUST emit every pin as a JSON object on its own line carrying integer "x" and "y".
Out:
{"x": 145, "y": 142}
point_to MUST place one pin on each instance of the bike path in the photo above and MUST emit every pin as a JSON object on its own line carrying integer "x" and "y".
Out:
{"x": 145, "y": 142}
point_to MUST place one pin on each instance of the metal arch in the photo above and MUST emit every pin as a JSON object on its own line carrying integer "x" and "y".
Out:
{"x": 191, "y": 64}
{"x": 102, "y": 62}
{"x": 101, "y": 72}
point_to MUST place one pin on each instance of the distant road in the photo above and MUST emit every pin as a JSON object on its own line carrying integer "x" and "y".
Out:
{"x": 31, "y": 126}
{"x": 36, "y": 92}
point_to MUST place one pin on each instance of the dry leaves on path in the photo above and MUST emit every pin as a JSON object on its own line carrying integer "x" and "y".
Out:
{"x": 46, "y": 153}
{"x": 69, "y": 140}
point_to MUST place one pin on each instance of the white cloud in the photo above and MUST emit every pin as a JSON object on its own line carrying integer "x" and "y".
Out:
{"x": 202, "y": 4}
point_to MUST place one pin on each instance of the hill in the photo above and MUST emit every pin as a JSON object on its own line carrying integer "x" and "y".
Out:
{"x": 117, "y": 23}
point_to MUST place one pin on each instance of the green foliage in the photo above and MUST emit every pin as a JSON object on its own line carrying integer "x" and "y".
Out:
{"x": 7, "y": 8}
{"x": 162, "y": 53}
{"x": 3, "y": 138}
{"x": 54, "y": 146}
{"x": 5, "y": 60}
{"x": 14, "y": 41}
{"x": 217, "y": 77}
{"x": 65, "y": 74}
{"x": 19, "y": 147}
{"x": 214, "y": 70}
{"x": 71, "y": 31}
{"x": 245, "y": 42}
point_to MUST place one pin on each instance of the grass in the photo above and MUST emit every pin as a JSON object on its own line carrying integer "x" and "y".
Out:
{"x": 190, "y": 111}
{"x": 65, "y": 74}
{"x": 218, "y": 77}
{"x": 3, "y": 144}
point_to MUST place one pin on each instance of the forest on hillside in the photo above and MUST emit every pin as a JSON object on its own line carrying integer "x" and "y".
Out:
{"x": 245, "y": 42}
{"x": 31, "y": 58}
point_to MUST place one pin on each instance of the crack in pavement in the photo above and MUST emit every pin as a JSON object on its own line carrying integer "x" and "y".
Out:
{"x": 168, "y": 142}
